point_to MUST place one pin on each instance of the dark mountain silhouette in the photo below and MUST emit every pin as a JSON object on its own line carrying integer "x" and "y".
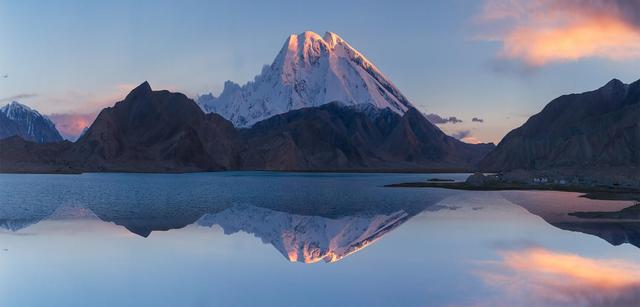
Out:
{"x": 156, "y": 131}
{"x": 593, "y": 130}
{"x": 160, "y": 131}
{"x": 20, "y": 156}
{"x": 335, "y": 137}
{"x": 415, "y": 139}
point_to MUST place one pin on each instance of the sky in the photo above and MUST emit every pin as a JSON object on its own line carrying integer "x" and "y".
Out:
{"x": 499, "y": 61}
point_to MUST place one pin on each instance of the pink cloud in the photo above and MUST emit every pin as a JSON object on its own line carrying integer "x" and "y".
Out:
{"x": 540, "y": 32}
{"x": 71, "y": 125}
{"x": 471, "y": 140}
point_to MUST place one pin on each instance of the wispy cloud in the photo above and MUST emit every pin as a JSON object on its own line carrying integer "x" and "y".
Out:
{"x": 461, "y": 134}
{"x": 465, "y": 136}
{"x": 437, "y": 119}
{"x": 541, "y": 32}
{"x": 477, "y": 120}
{"x": 87, "y": 102}
{"x": 17, "y": 97}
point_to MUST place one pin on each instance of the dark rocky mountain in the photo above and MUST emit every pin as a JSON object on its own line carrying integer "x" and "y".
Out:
{"x": 327, "y": 137}
{"x": 18, "y": 119}
{"x": 588, "y": 131}
{"x": 416, "y": 140}
{"x": 160, "y": 131}
{"x": 156, "y": 131}
{"x": 338, "y": 137}
{"x": 20, "y": 156}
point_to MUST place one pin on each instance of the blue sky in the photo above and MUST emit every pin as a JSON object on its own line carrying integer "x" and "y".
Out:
{"x": 80, "y": 56}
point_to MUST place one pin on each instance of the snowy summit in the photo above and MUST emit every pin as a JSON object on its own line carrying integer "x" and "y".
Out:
{"x": 309, "y": 71}
{"x": 29, "y": 124}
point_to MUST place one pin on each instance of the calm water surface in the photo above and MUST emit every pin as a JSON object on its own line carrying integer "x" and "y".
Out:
{"x": 284, "y": 239}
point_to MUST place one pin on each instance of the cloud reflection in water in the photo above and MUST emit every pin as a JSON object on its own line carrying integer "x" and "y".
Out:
{"x": 541, "y": 276}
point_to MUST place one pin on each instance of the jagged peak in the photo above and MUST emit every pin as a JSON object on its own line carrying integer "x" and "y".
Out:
{"x": 300, "y": 44}
{"x": 16, "y": 105}
{"x": 614, "y": 87}
{"x": 228, "y": 85}
{"x": 614, "y": 83}
{"x": 309, "y": 70}
{"x": 310, "y": 35}
{"x": 143, "y": 89}
{"x": 332, "y": 39}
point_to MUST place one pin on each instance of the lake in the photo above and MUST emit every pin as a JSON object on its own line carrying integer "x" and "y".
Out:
{"x": 317, "y": 239}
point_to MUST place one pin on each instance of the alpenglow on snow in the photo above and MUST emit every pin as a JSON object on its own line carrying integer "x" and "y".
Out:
{"x": 309, "y": 71}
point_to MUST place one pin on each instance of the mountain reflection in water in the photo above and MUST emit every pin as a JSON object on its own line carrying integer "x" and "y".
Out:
{"x": 327, "y": 233}
{"x": 227, "y": 239}
{"x": 307, "y": 239}
{"x": 300, "y": 238}
{"x": 558, "y": 209}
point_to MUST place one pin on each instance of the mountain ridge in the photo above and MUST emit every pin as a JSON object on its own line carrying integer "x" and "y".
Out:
{"x": 597, "y": 129}
{"x": 161, "y": 131}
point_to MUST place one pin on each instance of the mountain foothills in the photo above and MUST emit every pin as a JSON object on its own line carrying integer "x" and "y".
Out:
{"x": 160, "y": 131}
{"x": 595, "y": 133}
{"x": 309, "y": 71}
{"x": 18, "y": 119}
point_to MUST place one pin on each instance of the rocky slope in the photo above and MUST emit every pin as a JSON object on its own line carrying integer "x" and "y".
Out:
{"x": 18, "y": 119}
{"x": 588, "y": 131}
{"x": 309, "y": 71}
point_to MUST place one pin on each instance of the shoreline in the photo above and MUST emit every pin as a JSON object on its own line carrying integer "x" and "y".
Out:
{"x": 599, "y": 193}
{"x": 345, "y": 171}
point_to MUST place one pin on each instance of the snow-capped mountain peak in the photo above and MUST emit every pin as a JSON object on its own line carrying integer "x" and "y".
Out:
{"x": 19, "y": 119}
{"x": 14, "y": 109}
{"x": 310, "y": 70}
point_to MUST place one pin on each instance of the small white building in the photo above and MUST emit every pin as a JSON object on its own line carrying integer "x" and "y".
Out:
{"x": 540, "y": 180}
